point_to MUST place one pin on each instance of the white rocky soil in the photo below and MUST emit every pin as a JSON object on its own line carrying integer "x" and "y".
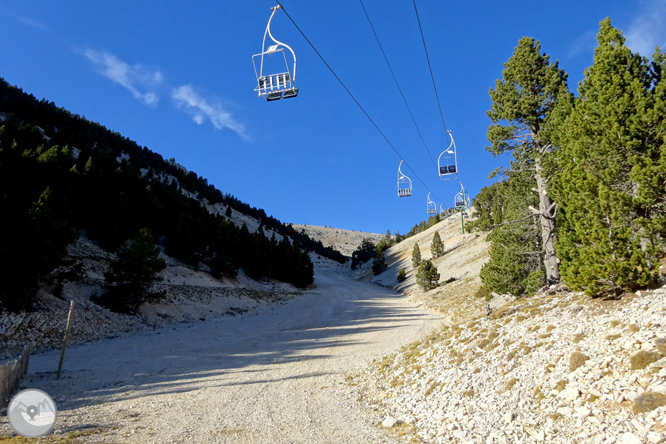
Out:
{"x": 327, "y": 367}
{"x": 559, "y": 367}
{"x": 276, "y": 375}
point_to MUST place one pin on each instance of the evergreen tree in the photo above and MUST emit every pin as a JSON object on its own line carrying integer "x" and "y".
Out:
{"x": 379, "y": 264}
{"x": 516, "y": 262}
{"x": 526, "y": 97}
{"x": 426, "y": 276}
{"x": 402, "y": 275}
{"x": 363, "y": 253}
{"x": 416, "y": 256}
{"x": 610, "y": 183}
{"x": 489, "y": 205}
{"x": 129, "y": 278}
{"x": 437, "y": 247}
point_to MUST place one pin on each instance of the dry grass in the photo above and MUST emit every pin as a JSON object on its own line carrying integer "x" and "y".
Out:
{"x": 73, "y": 437}
{"x": 510, "y": 383}
{"x": 576, "y": 360}
{"x": 642, "y": 359}
{"x": 648, "y": 401}
{"x": 578, "y": 337}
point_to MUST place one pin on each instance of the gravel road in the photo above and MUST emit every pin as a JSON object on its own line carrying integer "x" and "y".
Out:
{"x": 276, "y": 376}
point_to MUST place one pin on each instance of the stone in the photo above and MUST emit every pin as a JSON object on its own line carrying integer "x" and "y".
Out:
{"x": 659, "y": 388}
{"x": 655, "y": 438}
{"x": 569, "y": 394}
{"x": 389, "y": 422}
{"x": 630, "y": 438}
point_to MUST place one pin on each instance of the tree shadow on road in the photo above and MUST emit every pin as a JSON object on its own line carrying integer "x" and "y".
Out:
{"x": 250, "y": 349}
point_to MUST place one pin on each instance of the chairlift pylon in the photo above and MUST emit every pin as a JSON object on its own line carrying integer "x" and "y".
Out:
{"x": 404, "y": 183}
{"x": 447, "y": 162}
{"x": 431, "y": 206}
{"x": 271, "y": 85}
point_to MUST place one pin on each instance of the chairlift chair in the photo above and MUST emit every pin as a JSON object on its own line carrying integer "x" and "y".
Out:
{"x": 461, "y": 200}
{"x": 404, "y": 183}
{"x": 431, "y": 206}
{"x": 447, "y": 163}
{"x": 280, "y": 85}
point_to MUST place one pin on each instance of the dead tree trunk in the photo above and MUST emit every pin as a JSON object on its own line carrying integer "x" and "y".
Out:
{"x": 547, "y": 211}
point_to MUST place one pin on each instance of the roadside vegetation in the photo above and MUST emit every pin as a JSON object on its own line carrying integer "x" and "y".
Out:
{"x": 583, "y": 201}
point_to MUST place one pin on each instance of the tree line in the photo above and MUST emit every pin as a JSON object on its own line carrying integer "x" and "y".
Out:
{"x": 61, "y": 175}
{"x": 583, "y": 201}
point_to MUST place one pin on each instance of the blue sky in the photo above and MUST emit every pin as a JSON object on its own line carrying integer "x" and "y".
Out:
{"x": 177, "y": 77}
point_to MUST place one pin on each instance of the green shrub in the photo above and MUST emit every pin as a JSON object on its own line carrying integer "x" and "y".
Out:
{"x": 128, "y": 280}
{"x": 427, "y": 276}
{"x": 402, "y": 275}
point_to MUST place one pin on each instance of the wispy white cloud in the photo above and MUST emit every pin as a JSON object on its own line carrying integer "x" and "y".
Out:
{"x": 138, "y": 80}
{"x": 31, "y": 22}
{"x": 648, "y": 28}
{"x": 584, "y": 43}
{"x": 200, "y": 109}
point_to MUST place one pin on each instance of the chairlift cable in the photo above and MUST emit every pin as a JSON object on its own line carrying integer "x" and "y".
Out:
{"x": 354, "y": 99}
{"x": 432, "y": 77}
{"x": 397, "y": 84}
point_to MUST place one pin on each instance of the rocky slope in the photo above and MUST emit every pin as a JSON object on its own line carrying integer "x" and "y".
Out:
{"x": 558, "y": 367}
{"x": 345, "y": 241}
{"x": 191, "y": 295}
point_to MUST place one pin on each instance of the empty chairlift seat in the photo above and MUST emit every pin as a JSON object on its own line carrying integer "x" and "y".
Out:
{"x": 281, "y": 85}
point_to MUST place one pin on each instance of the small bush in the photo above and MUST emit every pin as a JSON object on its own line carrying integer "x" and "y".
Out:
{"x": 578, "y": 337}
{"x": 510, "y": 383}
{"x": 642, "y": 359}
{"x": 484, "y": 293}
{"x": 560, "y": 385}
{"x": 633, "y": 328}
{"x": 576, "y": 360}
{"x": 402, "y": 275}
{"x": 468, "y": 393}
{"x": 648, "y": 401}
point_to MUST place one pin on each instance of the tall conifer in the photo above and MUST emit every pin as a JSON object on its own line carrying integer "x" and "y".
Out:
{"x": 524, "y": 99}
{"x": 611, "y": 172}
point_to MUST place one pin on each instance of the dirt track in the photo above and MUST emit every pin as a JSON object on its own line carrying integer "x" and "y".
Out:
{"x": 277, "y": 376}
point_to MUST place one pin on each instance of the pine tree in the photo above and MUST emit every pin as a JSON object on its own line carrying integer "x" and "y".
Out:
{"x": 516, "y": 261}
{"x": 379, "y": 264}
{"x": 426, "y": 276}
{"x": 402, "y": 275}
{"x": 437, "y": 247}
{"x": 416, "y": 256}
{"x": 132, "y": 272}
{"x": 526, "y": 97}
{"x": 611, "y": 180}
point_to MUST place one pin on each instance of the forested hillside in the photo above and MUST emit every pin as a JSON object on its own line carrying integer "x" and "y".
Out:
{"x": 61, "y": 175}
{"x": 584, "y": 199}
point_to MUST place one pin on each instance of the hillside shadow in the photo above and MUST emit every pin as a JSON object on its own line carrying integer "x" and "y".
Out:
{"x": 244, "y": 350}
